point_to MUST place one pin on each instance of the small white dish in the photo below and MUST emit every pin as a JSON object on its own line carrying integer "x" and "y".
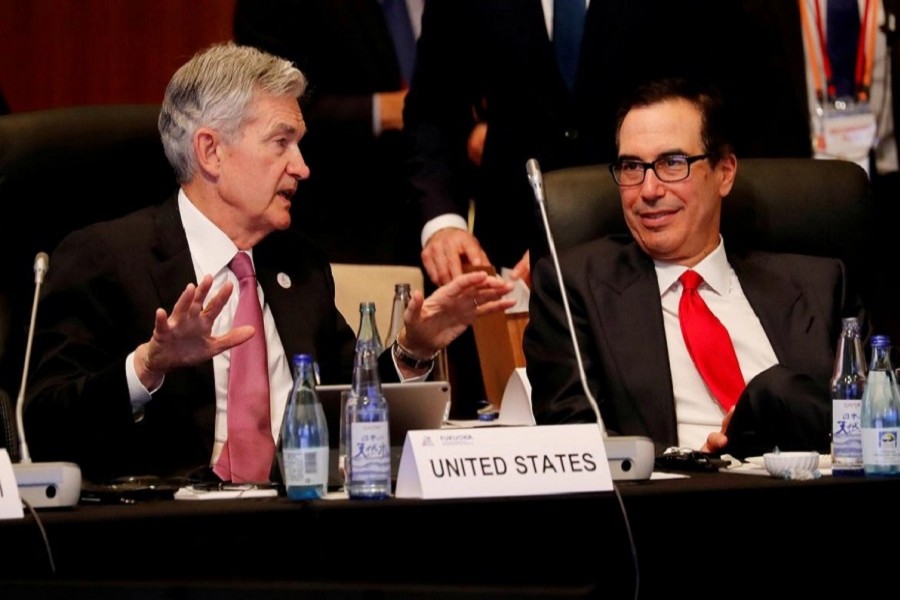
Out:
{"x": 792, "y": 465}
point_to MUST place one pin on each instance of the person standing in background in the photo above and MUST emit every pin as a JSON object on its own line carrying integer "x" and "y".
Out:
{"x": 358, "y": 56}
{"x": 547, "y": 77}
{"x": 807, "y": 67}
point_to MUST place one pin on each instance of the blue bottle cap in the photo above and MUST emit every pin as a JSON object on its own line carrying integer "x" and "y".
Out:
{"x": 881, "y": 341}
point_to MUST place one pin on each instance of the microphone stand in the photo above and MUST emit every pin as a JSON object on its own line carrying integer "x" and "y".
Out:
{"x": 45, "y": 484}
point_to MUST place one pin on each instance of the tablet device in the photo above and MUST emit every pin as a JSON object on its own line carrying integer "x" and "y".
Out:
{"x": 411, "y": 406}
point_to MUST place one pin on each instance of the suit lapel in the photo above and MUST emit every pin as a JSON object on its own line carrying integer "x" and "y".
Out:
{"x": 780, "y": 305}
{"x": 630, "y": 312}
{"x": 173, "y": 269}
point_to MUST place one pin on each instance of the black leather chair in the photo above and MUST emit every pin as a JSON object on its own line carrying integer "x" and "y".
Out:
{"x": 804, "y": 206}
{"x": 61, "y": 169}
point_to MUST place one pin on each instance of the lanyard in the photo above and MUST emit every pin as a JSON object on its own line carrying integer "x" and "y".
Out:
{"x": 865, "y": 50}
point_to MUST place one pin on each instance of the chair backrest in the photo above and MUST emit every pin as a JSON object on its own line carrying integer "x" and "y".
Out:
{"x": 355, "y": 283}
{"x": 61, "y": 169}
{"x": 799, "y": 205}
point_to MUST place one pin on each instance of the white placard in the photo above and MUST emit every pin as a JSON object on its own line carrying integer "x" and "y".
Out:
{"x": 503, "y": 461}
{"x": 10, "y": 502}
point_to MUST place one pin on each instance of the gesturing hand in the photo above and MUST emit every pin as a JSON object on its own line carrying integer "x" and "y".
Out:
{"x": 185, "y": 337}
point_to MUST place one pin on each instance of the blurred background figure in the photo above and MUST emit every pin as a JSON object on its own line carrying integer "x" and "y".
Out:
{"x": 358, "y": 56}
{"x": 811, "y": 65}
{"x": 546, "y": 77}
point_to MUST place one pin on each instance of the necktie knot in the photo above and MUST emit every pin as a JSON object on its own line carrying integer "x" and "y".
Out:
{"x": 241, "y": 266}
{"x": 690, "y": 280}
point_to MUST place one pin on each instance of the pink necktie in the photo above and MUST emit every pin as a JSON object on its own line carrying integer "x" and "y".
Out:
{"x": 249, "y": 450}
{"x": 709, "y": 344}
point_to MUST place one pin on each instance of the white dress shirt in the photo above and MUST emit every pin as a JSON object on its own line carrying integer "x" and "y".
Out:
{"x": 211, "y": 251}
{"x": 697, "y": 411}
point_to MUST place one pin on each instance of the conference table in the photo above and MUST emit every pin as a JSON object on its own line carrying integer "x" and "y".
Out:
{"x": 705, "y": 534}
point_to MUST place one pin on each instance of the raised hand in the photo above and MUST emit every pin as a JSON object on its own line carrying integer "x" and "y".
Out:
{"x": 185, "y": 336}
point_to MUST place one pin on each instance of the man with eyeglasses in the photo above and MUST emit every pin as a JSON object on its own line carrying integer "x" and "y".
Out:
{"x": 781, "y": 313}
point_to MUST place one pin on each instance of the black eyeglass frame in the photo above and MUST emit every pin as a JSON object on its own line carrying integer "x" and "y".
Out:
{"x": 652, "y": 166}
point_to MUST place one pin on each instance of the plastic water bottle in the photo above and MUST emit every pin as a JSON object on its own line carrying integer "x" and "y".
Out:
{"x": 881, "y": 413}
{"x": 402, "y": 295}
{"x": 848, "y": 384}
{"x": 303, "y": 442}
{"x": 368, "y": 460}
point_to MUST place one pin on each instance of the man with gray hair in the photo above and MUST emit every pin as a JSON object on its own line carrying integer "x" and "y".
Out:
{"x": 123, "y": 386}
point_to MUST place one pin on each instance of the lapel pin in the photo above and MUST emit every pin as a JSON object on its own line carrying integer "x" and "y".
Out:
{"x": 284, "y": 280}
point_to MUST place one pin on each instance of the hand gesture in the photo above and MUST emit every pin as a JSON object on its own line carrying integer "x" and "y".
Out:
{"x": 445, "y": 252}
{"x": 432, "y": 323}
{"x": 185, "y": 337}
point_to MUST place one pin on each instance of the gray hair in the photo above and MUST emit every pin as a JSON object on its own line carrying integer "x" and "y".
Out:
{"x": 214, "y": 89}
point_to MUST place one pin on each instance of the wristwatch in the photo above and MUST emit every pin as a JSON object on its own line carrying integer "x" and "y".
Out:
{"x": 410, "y": 360}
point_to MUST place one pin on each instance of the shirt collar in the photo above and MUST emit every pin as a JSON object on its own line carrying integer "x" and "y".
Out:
{"x": 714, "y": 269}
{"x": 210, "y": 248}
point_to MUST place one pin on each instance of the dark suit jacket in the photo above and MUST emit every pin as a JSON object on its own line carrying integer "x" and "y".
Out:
{"x": 497, "y": 52}
{"x": 358, "y": 187}
{"x": 98, "y": 305}
{"x": 613, "y": 293}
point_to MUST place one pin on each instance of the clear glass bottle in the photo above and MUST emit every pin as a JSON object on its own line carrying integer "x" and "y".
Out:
{"x": 880, "y": 416}
{"x": 368, "y": 328}
{"x": 848, "y": 384}
{"x": 402, "y": 293}
{"x": 368, "y": 460}
{"x": 303, "y": 441}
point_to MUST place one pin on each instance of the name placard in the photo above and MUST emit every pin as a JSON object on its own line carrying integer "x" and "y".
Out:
{"x": 503, "y": 461}
{"x": 10, "y": 502}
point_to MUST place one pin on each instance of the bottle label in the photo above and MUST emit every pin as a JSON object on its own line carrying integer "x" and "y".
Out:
{"x": 305, "y": 466}
{"x": 846, "y": 434}
{"x": 880, "y": 445}
{"x": 369, "y": 451}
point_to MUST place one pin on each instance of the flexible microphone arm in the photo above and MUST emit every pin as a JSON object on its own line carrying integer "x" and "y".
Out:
{"x": 536, "y": 179}
{"x": 41, "y": 266}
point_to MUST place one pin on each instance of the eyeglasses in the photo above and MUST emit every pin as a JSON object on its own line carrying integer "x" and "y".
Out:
{"x": 669, "y": 169}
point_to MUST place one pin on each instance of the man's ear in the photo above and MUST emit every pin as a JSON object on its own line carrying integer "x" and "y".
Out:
{"x": 728, "y": 169}
{"x": 207, "y": 144}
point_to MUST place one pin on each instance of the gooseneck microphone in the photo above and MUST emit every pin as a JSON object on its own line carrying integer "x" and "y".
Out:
{"x": 44, "y": 484}
{"x": 536, "y": 180}
{"x": 41, "y": 266}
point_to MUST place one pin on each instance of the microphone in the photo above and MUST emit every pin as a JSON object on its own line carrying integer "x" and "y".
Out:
{"x": 630, "y": 457}
{"x": 536, "y": 179}
{"x": 50, "y": 484}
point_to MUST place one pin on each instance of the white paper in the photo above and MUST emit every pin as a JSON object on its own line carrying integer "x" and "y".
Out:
{"x": 520, "y": 292}
{"x": 191, "y": 493}
{"x": 10, "y": 502}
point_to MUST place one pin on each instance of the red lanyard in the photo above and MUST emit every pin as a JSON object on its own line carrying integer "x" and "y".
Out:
{"x": 865, "y": 50}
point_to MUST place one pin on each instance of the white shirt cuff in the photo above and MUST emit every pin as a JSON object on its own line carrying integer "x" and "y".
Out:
{"x": 138, "y": 394}
{"x": 442, "y": 222}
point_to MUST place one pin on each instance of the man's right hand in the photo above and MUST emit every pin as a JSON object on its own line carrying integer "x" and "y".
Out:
{"x": 447, "y": 250}
{"x": 185, "y": 337}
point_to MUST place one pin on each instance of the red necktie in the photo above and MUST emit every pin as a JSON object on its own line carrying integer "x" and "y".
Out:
{"x": 709, "y": 344}
{"x": 249, "y": 450}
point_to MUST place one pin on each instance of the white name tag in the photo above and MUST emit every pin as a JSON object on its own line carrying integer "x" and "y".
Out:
{"x": 847, "y": 134}
{"x": 503, "y": 461}
{"x": 10, "y": 502}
